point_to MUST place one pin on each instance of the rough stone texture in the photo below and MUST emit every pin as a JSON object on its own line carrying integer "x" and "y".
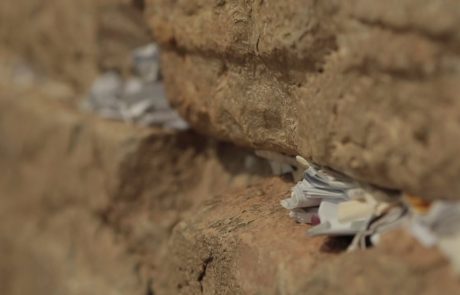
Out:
{"x": 72, "y": 40}
{"x": 242, "y": 242}
{"x": 52, "y": 238}
{"x": 367, "y": 87}
{"x": 86, "y": 205}
{"x": 96, "y": 207}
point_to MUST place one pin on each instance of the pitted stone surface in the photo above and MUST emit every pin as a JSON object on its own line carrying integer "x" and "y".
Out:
{"x": 242, "y": 242}
{"x": 367, "y": 87}
{"x": 87, "y": 205}
{"x": 72, "y": 40}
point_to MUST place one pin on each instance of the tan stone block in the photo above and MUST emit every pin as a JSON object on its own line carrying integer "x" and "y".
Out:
{"x": 367, "y": 87}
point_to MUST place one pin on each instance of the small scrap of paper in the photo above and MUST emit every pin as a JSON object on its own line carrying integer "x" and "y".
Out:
{"x": 439, "y": 226}
{"x": 140, "y": 99}
{"x": 333, "y": 202}
{"x": 282, "y": 164}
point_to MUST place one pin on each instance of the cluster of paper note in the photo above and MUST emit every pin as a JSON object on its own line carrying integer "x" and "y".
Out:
{"x": 139, "y": 99}
{"x": 336, "y": 205}
{"x": 331, "y": 201}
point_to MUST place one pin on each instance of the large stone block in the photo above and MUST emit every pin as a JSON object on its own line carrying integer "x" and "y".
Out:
{"x": 370, "y": 88}
{"x": 86, "y": 205}
{"x": 72, "y": 40}
{"x": 242, "y": 242}
{"x": 90, "y": 206}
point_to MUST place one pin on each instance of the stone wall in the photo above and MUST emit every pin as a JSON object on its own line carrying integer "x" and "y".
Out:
{"x": 367, "y": 87}
{"x": 72, "y": 40}
{"x": 95, "y": 207}
{"x": 90, "y": 206}
{"x": 87, "y": 205}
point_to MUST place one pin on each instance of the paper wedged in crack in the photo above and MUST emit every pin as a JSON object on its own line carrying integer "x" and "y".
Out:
{"x": 139, "y": 99}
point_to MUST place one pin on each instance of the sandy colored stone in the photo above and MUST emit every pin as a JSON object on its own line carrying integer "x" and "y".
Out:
{"x": 242, "y": 242}
{"x": 86, "y": 205}
{"x": 91, "y": 206}
{"x": 54, "y": 181}
{"x": 72, "y": 40}
{"x": 367, "y": 87}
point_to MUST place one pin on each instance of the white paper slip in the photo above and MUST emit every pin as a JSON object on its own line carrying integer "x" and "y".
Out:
{"x": 297, "y": 201}
{"x": 354, "y": 210}
{"x": 328, "y": 230}
{"x": 328, "y": 179}
{"x": 328, "y": 214}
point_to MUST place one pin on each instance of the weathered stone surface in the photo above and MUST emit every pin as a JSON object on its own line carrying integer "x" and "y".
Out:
{"x": 54, "y": 181}
{"x": 242, "y": 242}
{"x": 367, "y": 87}
{"x": 72, "y": 40}
{"x": 86, "y": 205}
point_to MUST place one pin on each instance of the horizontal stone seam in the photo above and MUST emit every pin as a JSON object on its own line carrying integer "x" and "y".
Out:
{"x": 444, "y": 40}
{"x": 310, "y": 65}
